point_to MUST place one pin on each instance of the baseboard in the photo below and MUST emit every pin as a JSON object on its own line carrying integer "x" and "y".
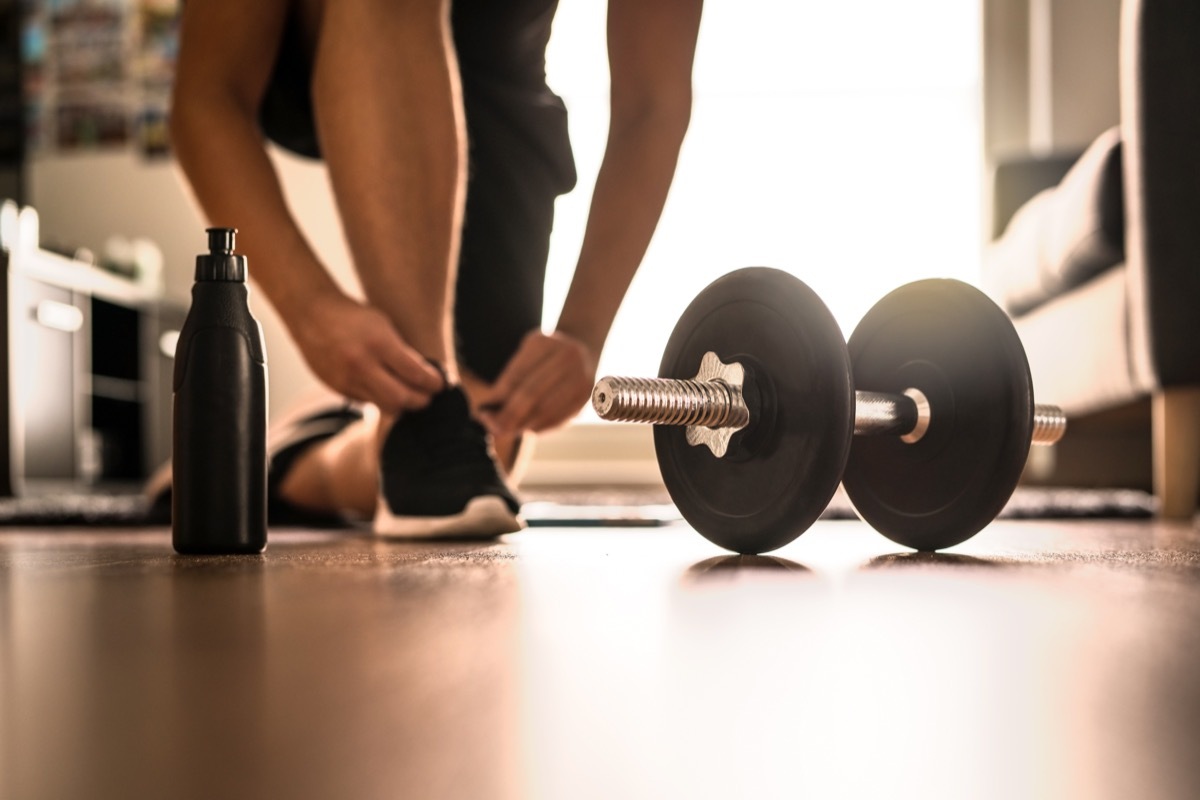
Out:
{"x": 595, "y": 454}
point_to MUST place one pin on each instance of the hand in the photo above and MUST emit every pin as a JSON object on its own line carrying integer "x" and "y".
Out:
{"x": 355, "y": 350}
{"x": 543, "y": 385}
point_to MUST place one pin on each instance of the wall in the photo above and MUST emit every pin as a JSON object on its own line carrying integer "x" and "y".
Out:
{"x": 1083, "y": 64}
{"x": 1005, "y": 76}
{"x": 1050, "y": 73}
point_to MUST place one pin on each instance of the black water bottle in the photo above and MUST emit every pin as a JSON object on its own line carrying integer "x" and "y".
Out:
{"x": 219, "y": 453}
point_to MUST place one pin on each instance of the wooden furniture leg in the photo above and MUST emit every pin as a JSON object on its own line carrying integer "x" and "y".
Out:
{"x": 1177, "y": 451}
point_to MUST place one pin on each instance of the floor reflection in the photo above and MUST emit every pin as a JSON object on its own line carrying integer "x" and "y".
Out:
{"x": 602, "y": 664}
{"x": 922, "y": 559}
{"x": 724, "y": 566}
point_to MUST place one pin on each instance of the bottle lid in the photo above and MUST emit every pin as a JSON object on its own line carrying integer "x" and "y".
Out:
{"x": 220, "y": 263}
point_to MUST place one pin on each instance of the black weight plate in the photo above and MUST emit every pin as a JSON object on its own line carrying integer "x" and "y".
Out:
{"x": 951, "y": 342}
{"x": 780, "y": 471}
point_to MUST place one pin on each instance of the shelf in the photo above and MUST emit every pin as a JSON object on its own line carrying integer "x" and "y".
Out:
{"x": 117, "y": 389}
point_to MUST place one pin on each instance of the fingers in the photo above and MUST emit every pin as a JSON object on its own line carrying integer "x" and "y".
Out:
{"x": 378, "y": 367}
{"x": 527, "y": 403}
{"x": 531, "y": 352}
{"x": 495, "y": 403}
{"x": 360, "y": 353}
{"x": 409, "y": 366}
{"x": 380, "y": 386}
{"x": 545, "y": 384}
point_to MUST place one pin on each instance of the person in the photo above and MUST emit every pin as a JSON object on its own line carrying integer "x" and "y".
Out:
{"x": 445, "y": 152}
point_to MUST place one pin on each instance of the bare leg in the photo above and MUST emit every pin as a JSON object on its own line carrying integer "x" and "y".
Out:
{"x": 338, "y": 475}
{"x": 388, "y": 107}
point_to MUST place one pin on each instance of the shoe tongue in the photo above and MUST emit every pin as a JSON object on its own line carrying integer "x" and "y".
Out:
{"x": 448, "y": 426}
{"x": 449, "y": 405}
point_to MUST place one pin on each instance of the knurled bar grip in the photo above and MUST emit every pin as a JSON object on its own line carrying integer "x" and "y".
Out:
{"x": 714, "y": 404}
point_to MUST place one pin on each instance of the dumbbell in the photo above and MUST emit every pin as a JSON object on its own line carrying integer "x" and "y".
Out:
{"x": 758, "y": 418}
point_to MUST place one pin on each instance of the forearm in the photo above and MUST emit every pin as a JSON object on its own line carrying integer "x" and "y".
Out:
{"x": 651, "y": 47}
{"x": 221, "y": 152}
{"x": 631, "y": 189}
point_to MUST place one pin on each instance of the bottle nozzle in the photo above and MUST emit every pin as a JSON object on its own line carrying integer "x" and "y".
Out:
{"x": 220, "y": 240}
{"x": 220, "y": 263}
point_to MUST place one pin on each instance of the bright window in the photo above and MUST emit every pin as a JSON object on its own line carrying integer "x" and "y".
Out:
{"x": 837, "y": 140}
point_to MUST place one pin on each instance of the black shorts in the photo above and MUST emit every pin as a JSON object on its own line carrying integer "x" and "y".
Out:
{"x": 519, "y": 162}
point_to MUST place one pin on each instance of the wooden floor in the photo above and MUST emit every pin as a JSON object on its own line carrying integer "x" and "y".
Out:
{"x": 1040, "y": 660}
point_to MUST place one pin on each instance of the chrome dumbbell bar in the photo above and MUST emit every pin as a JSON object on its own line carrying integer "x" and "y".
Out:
{"x": 711, "y": 406}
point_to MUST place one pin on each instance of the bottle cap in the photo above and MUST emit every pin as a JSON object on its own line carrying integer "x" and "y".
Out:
{"x": 220, "y": 263}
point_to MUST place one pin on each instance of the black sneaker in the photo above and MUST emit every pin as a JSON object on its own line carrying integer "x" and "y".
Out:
{"x": 438, "y": 476}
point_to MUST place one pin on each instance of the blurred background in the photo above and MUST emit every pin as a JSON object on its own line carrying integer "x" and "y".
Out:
{"x": 849, "y": 143}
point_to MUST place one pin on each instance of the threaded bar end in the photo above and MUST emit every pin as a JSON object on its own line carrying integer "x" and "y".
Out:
{"x": 668, "y": 401}
{"x": 1049, "y": 424}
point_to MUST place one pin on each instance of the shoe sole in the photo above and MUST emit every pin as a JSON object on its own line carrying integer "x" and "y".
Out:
{"x": 483, "y": 518}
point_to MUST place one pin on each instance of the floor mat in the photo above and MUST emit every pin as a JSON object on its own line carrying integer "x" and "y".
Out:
{"x": 624, "y": 507}
{"x": 116, "y": 510}
{"x": 576, "y": 507}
